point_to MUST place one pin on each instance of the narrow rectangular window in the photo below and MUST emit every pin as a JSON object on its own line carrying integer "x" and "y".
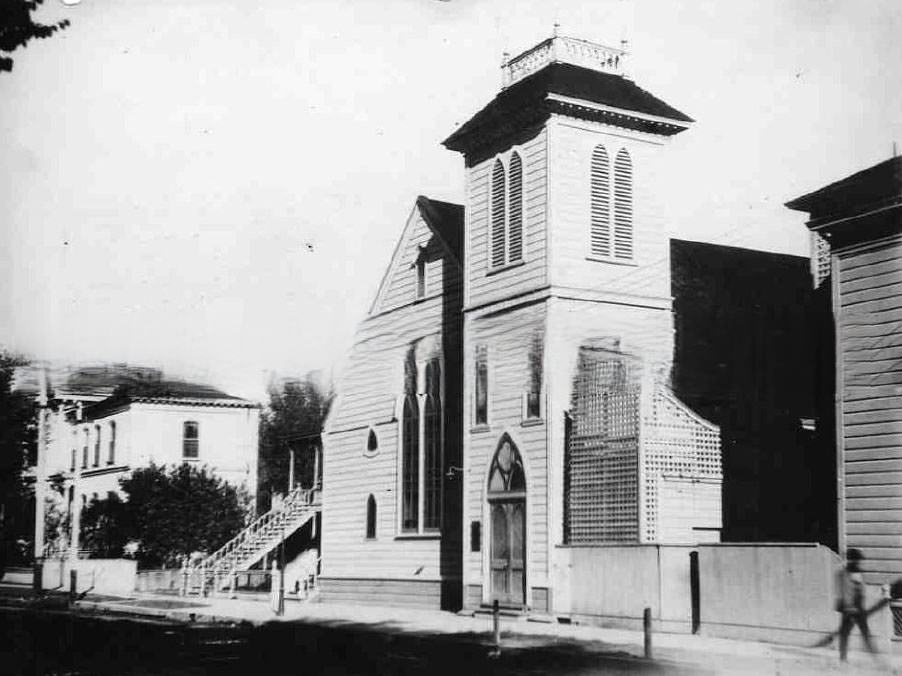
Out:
{"x": 72, "y": 463}
{"x": 112, "y": 454}
{"x": 482, "y": 386}
{"x": 534, "y": 384}
{"x": 96, "y": 445}
{"x": 421, "y": 278}
{"x": 371, "y": 518}
{"x": 190, "y": 440}
{"x": 84, "y": 450}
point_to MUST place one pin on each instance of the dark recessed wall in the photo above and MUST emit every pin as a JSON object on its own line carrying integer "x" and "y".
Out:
{"x": 753, "y": 354}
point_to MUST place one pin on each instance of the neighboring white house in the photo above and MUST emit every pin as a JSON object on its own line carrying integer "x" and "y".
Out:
{"x": 101, "y": 423}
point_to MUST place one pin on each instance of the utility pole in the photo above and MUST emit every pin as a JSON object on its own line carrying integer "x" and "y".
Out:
{"x": 75, "y": 515}
{"x": 40, "y": 481}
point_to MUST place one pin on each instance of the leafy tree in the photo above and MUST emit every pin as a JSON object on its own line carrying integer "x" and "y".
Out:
{"x": 18, "y": 443}
{"x": 293, "y": 420}
{"x": 170, "y": 513}
{"x": 106, "y": 527}
{"x": 18, "y": 27}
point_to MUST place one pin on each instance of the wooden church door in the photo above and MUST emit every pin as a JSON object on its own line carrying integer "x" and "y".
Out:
{"x": 507, "y": 510}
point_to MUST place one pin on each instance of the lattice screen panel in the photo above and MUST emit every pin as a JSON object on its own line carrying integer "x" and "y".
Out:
{"x": 602, "y": 472}
{"x": 821, "y": 265}
{"x": 676, "y": 442}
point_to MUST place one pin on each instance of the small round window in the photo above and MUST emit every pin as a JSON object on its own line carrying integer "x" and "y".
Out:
{"x": 372, "y": 443}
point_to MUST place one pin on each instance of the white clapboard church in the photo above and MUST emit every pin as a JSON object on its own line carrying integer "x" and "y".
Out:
{"x": 506, "y": 399}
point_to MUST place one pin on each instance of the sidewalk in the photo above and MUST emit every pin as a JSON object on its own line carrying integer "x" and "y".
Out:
{"x": 697, "y": 653}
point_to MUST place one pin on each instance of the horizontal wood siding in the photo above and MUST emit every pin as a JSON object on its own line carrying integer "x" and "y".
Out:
{"x": 870, "y": 350}
{"x": 571, "y": 146}
{"x": 383, "y": 592}
{"x": 368, "y": 391}
{"x": 472, "y": 595}
{"x": 507, "y": 337}
{"x": 485, "y": 287}
{"x": 402, "y": 277}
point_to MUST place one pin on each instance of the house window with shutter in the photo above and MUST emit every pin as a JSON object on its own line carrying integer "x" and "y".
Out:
{"x": 623, "y": 206}
{"x": 111, "y": 458}
{"x": 190, "y": 440}
{"x": 96, "y": 445}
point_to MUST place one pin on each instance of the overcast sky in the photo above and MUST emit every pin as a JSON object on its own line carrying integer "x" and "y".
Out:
{"x": 216, "y": 187}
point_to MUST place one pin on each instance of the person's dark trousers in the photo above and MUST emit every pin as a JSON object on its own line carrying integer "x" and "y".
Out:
{"x": 849, "y": 619}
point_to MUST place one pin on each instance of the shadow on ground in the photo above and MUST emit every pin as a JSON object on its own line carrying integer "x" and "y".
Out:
{"x": 42, "y": 641}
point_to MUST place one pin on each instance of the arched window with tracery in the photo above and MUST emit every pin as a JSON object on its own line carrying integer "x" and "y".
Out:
{"x": 506, "y": 473}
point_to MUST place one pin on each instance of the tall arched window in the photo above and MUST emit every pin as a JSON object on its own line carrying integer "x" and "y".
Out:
{"x": 432, "y": 451}
{"x": 410, "y": 470}
{"x": 515, "y": 210}
{"x": 600, "y": 232}
{"x": 623, "y": 205}
{"x": 498, "y": 214}
{"x": 370, "y": 518}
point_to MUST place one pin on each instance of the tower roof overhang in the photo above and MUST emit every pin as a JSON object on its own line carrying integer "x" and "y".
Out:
{"x": 570, "y": 90}
{"x": 864, "y": 206}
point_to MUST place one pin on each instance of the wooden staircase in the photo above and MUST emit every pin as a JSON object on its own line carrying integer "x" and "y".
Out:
{"x": 248, "y": 548}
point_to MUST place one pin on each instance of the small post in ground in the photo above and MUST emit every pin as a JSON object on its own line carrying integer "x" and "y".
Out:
{"x": 73, "y": 586}
{"x": 646, "y": 627}
{"x": 496, "y": 629}
{"x": 38, "y": 574}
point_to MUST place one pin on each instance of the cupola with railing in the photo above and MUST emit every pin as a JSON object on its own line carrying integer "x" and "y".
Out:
{"x": 562, "y": 49}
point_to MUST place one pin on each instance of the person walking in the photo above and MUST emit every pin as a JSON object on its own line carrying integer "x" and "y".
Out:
{"x": 850, "y": 602}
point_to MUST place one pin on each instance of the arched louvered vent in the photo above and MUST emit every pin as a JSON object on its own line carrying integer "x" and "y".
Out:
{"x": 498, "y": 239}
{"x": 601, "y": 203}
{"x": 623, "y": 206}
{"x": 515, "y": 206}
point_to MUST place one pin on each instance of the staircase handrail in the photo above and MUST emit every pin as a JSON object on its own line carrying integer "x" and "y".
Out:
{"x": 296, "y": 498}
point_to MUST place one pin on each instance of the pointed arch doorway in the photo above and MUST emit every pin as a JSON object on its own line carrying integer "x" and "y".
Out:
{"x": 506, "y": 497}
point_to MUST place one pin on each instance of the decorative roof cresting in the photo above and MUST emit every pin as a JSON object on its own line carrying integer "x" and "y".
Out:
{"x": 561, "y": 49}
